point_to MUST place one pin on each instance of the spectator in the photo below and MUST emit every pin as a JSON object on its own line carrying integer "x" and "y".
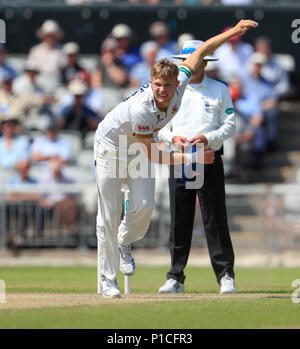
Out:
{"x": 234, "y": 53}
{"x": 265, "y": 92}
{"x": 160, "y": 33}
{"x": 92, "y": 100}
{"x": 112, "y": 73}
{"x": 6, "y": 95}
{"x": 5, "y": 69}
{"x": 22, "y": 177}
{"x": 28, "y": 102}
{"x": 66, "y": 205}
{"x": 250, "y": 139}
{"x": 48, "y": 55}
{"x": 14, "y": 146}
{"x": 78, "y": 117}
{"x": 71, "y": 68}
{"x": 50, "y": 148}
{"x": 27, "y": 81}
{"x": 141, "y": 72}
{"x": 272, "y": 70}
{"x": 125, "y": 52}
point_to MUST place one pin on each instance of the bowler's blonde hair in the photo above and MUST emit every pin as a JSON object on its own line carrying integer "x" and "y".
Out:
{"x": 164, "y": 69}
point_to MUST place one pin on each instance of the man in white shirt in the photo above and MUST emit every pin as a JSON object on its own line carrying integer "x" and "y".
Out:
{"x": 233, "y": 56}
{"x": 137, "y": 120}
{"x": 206, "y": 116}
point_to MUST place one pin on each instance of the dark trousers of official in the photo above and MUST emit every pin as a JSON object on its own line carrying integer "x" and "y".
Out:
{"x": 211, "y": 198}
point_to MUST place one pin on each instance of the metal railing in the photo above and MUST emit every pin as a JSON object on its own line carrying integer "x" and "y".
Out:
{"x": 264, "y": 218}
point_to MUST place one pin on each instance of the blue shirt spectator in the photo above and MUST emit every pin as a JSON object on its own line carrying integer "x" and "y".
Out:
{"x": 50, "y": 147}
{"x": 160, "y": 33}
{"x": 14, "y": 148}
{"x": 127, "y": 54}
{"x": 140, "y": 73}
{"x": 5, "y": 69}
{"x": 272, "y": 71}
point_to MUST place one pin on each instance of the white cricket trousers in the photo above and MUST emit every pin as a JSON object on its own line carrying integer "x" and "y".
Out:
{"x": 111, "y": 231}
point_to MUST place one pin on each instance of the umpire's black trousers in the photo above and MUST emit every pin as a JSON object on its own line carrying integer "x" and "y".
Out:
{"x": 211, "y": 197}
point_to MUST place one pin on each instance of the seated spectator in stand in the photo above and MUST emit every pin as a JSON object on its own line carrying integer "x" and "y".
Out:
{"x": 32, "y": 106}
{"x": 93, "y": 99}
{"x": 27, "y": 81}
{"x": 5, "y": 69}
{"x": 265, "y": 92}
{"x": 160, "y": 33}
{"x": 14, "y": 146}
{"x": 140, "y": 73}
{"x": 50, "y": 148}
{"x": 71, "y": 67}
{"x": 125, "y": 52}
{"x": 272, "y": 70}
{"x": 6, "y": 94}
{"x": 234, "y": 56}
{"x": 112, "y": 73}
{"x": 22, "y": 175}
{"x": 78, "y": 117}
{"x": 48, "y": 55}
{"x": 250, "y": 138}
{"x": 66, "y": 205}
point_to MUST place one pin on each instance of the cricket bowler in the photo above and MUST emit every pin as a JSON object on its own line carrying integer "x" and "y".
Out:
{"x": 137, "y": 120}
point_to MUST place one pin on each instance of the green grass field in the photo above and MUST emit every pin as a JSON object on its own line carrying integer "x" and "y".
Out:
{"x": 263, "y": 300}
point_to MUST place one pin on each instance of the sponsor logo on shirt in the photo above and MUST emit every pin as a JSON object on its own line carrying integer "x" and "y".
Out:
{"x": 229, "y": 111}
{"x": 143, "y": 128}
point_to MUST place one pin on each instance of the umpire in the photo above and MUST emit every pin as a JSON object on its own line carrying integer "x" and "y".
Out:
{"x": 206, "y": 116}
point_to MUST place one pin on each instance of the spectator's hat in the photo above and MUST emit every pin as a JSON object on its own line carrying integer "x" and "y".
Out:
{"x": 50, "y": 27}
{"x": 71, "y": 48}
{"x": 258, "y": 58}
{"x": 121, "y": 31}
{"x": 235, "y": 38}
{"x": 31, "y": 66}
{"x": 78, "y": 87}
{"x": 147, "y": 47}
{"x": 183, "y": 38}
{"x": 159, "y": 28}
{"x": 189, "y": 47}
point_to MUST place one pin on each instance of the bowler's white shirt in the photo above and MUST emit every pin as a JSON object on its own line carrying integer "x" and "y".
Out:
{"x": 139, "y": 115}
{"x": 206, "y": 108}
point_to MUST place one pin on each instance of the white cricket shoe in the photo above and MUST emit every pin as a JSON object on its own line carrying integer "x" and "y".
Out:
{"x": 172, "y": 286}
{"x": 109, "y": 289}
{"x": 227, "y": 285}
{"x": 127, "y": 263}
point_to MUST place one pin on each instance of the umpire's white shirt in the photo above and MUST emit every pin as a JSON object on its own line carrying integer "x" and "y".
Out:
{"x": 206, "y": 108}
